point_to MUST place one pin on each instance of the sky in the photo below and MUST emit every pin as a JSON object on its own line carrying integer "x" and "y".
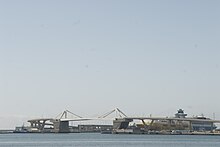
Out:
{"x": 146, "y": 57}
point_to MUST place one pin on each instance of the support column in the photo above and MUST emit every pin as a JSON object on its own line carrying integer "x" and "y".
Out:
{"x": 151, "y": 123}
{"x": 32, "y": 124}
{"x": 169, "y": 125}
{"x": 190, "y": 126}
{"x": 212, "y": 126}
{"x": 145, "y": 126}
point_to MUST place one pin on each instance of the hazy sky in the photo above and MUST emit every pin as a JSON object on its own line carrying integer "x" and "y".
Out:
{"x": 90, "y": 56}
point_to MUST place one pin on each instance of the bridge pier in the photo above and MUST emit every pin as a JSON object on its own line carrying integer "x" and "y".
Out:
{"x": 61, "y": 126}
{"x": 121, "y": 123}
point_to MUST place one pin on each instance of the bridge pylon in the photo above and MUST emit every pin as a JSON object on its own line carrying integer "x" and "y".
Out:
{"x": 117, "y": 111}
{"x": 61, "y": 123}
{"x": 66, "y": 113}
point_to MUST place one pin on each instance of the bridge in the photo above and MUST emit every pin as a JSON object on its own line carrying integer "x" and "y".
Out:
{"x": 60, "y": 124}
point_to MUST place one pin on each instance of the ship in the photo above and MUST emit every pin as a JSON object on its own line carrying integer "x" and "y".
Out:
{"x": 197, "y": 125}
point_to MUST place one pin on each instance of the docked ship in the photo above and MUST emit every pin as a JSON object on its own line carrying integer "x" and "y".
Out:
{"x": 197, "y": 125}
{"x": 201, "y": 126}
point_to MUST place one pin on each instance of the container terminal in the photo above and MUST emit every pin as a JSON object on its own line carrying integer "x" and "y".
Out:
{"x": 179, "y": 124}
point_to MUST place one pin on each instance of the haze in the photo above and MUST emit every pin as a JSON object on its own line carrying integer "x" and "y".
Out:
{"x": 144, "y": 57}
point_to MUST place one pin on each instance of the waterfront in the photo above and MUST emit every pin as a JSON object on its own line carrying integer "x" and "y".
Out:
{"x": 180, "y": 124}
{"x": 110, "y": 140}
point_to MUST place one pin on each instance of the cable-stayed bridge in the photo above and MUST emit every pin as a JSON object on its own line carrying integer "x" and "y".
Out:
{"x": 62, "y": 121}
{"x": 118, "y": 119}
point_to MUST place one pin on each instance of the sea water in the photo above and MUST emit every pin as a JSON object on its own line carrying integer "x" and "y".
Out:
{"x": 106, "y": 140}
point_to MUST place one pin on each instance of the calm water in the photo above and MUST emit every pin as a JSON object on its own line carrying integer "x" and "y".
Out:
{"x": 106, "y": 140}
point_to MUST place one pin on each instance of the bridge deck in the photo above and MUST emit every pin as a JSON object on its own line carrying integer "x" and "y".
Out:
{"x": 178, "y": 119}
